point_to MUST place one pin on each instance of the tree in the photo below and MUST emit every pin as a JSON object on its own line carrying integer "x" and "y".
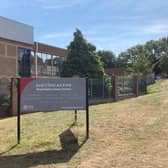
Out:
{"x": 123, "y": 60}
{"x": 108, "y": 58}
{"x": 82, "y": 59}
{"x": 152, "y": 49}
{"x": 142, "y": 66}
{"x": 164, "y": 65}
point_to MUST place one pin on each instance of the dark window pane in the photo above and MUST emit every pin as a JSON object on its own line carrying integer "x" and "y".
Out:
{"x": 33, "y": 63}
{"x": 24, "y": 62}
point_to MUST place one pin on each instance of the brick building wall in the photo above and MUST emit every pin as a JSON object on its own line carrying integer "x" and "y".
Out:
{"x": 16, "y": 36}
{"x": 9, "y": 57}
{"x": 9, "y": 67}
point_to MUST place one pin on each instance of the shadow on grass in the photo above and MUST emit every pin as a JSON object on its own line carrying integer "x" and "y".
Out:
{"x": 12, "y": 147}
{"x": 69, "y": 148}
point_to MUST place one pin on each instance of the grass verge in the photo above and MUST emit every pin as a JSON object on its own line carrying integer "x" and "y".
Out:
{"x": 127, "y": 134}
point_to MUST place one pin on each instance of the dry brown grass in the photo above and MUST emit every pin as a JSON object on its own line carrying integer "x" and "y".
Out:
{"x": 128, "y": 134}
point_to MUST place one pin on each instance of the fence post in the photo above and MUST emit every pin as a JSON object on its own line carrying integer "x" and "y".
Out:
{"x": 145, "y": 85}
{"x": 14, "y": 95}
{"x": 115, "y": 88}
{"x": 136, "y": 85}
{"x": 103, "y": 87}
{"x": 91, "y": 89}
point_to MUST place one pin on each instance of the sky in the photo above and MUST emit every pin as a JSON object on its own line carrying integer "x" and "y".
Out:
{"x": 114, "y": 25}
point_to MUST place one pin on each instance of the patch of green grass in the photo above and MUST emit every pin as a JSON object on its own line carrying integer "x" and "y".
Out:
{"x": 154, "y": 87}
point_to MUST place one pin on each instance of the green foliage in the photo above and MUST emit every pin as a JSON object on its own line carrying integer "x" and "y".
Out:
{"x": 142, "y": 66}
{"x": 154, "y": 87}
{"x": 124, "y": 60}
{"x": 108, "y": 86}
{"x": 153, "y": 50}
{"x": 164, "y": 65}
{"x": 82, "y": 60}
{"x": 108, "y": 58}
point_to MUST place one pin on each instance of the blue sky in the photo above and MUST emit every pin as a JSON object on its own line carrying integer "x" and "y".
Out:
{"x": 109, "y": 24}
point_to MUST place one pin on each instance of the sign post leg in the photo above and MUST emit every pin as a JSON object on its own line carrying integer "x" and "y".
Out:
{"x": 18, "y": 128}
{"x": 87, "y": 123}
{"x": 87, "y": 110}
{"x": 75, "y": 116}
{"x": 18, "y": 114}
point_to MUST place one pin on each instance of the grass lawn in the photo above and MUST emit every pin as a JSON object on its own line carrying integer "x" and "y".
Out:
{"x": 132, "y": 133}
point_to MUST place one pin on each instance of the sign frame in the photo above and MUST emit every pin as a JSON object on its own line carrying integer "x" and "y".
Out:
{"x": 19, "y": 110}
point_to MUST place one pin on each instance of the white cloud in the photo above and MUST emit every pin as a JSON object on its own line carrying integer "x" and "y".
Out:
{"x": 59, "y": 4}
{"x": 156, "y": 29}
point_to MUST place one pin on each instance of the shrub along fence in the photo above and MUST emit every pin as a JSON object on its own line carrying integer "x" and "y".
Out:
{"x": 104, "y": 90}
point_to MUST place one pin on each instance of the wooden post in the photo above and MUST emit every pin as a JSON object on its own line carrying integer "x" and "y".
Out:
{"x": 75, "y": 116}
{"x": 136, "y": 86}
{"x": 115, "y": 88}
{"x": 145, "y": 85}
{"x": 14, "y": 95}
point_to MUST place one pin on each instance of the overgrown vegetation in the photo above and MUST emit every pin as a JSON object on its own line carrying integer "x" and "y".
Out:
{"x": 154, "y": 87}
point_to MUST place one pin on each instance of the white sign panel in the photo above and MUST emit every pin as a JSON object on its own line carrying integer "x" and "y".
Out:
{"x": 52, "y": 94}
{"x": 16, "y": 31}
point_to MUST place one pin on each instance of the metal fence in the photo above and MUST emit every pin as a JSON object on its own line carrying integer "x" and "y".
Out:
{"x": 5, "y": 92}
{"x": 99, "y": 91}
{"x": 100, "y": 88}
{"x": 126, "y": 86}
{"x": 142, "y": 85}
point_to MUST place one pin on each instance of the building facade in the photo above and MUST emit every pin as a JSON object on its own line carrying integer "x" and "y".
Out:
{"x": 21, "y": 56}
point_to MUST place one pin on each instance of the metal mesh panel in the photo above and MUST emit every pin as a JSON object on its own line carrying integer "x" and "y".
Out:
{"x": 100, "y": 88}
{"x": 125, "y": 86}
{"x": 142, "y": 85}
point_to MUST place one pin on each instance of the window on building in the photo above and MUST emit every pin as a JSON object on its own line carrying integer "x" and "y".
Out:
{"x": 56, "y": 62}
{"x": 33, "y": 63}
{"x": 44, "y": 64}
{"x": 48, "y": 65}
{"x": 24, "y": 62}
